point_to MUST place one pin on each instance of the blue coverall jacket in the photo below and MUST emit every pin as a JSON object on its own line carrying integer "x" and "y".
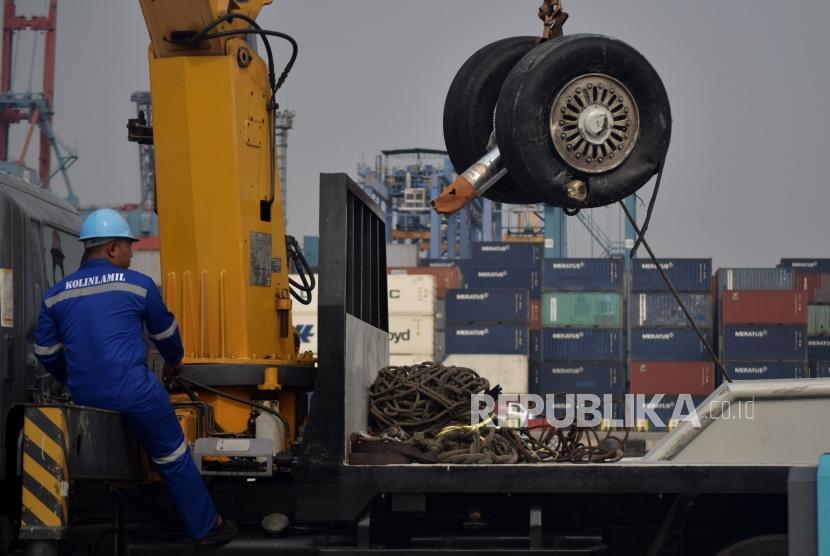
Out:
{"x": 90, "y": 336}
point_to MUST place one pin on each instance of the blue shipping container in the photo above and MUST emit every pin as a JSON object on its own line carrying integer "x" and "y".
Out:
{"x": 821, "y": 369}
{"x": 506, "y": 277}
{"x": 755, "y": 279}
{"x": 501, "y": 339}
{"x": 535, "y": 346}
{"x": 483, "y": 306}
{"x": 818, "y": 348}
{"x": 808, "y": 266}
{"x": 762, "y": 343}
{"x": 586, "y": 275}
{"x": 661, "y": 309}
{"x": 583, "y": 344}
{"x": 762, "y": 370}
{"x": 686, "y": 275}
{"x": 311, "y": 250}
{"x": 664, "y": 409}
{"x": 669, "y": 344}
{"x": 579, "y": 377}
{"x": 499, "y": 254}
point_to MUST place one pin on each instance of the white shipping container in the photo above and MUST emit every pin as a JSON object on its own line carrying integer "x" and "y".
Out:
{"x": 510, "y": 371}
{"x": 147, "y": 262}
{"x": 298, "y": 308}
{"x": 409, "y": 360}
{"x": 410, "y": 334}
{"x": 306, "y": 325}
{"x": 398, "y": 255}
{"x": 411, "y": 294}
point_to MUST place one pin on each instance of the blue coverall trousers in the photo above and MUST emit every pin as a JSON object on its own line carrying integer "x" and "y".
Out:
{"x": 149, "y": 414}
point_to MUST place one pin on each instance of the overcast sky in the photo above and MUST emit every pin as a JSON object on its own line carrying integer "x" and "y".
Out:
{"x": 745, "y": 181}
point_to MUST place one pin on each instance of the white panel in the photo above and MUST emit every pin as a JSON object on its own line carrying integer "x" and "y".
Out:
{"x": 411, "y": 334}
{"x": 403, "y": 256}
{"x": 147, "y": 262}
{"x": 411, "y": 294}
{"x": 510, "y": 371}
{"x": 306, "y": 326}
{"x": 409, "y": 360}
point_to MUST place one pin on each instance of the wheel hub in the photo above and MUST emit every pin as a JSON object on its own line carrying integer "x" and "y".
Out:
{"x": 594, "y": 123}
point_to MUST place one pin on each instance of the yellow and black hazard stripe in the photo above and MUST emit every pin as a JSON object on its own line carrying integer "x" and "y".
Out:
{"x": 44, "y": 514}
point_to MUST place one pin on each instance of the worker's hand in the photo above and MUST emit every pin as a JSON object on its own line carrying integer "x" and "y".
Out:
{"x": 171, "y": 372}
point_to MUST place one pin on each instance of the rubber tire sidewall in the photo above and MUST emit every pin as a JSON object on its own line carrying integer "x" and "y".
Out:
{"x": 523, "y": 118}
{"x": 469, "y": 106}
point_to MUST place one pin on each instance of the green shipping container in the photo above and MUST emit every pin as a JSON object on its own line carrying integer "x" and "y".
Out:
{"x": 582, "y": 309}
{"x": 819, "y": 320}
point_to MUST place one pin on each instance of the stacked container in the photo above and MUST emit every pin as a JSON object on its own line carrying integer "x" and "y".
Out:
{"x": 582, "y": 339}
{"x": 411, "y": 318}
{"x": 667, "y": 356}
{"x": 763, "y": 324}
{"x": 812, "y": 277}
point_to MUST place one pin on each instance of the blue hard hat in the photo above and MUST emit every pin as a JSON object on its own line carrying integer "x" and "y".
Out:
{"x": 105, "y": 223}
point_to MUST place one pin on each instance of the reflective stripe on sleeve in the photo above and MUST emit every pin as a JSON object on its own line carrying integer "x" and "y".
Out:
{"x": 48, "y": 350}
{"x": 167, "y": 333}
{"x": 176, "y": 454}
{"x": 92, "y": 290}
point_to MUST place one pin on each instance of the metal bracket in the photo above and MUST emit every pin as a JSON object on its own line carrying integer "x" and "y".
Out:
{"x": 260, "y": 448}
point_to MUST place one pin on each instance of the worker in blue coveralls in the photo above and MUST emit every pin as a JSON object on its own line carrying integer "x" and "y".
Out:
{"x": 90, "y": 336}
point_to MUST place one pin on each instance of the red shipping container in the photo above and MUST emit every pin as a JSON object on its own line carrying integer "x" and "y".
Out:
{"x": 763, "y": 307}
{"x": 535, "y": 314}
{"x": 445, "y": 277}
{"x": 815, "y": 285}
{"x": 672, "y": 377}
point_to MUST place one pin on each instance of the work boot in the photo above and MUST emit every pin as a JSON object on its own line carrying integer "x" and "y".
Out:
{"x": 221, "y": 533}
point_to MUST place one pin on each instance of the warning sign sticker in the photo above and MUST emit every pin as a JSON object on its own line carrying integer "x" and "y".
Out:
{"x": 6, "y": 298}
{"x": 260, "y": 259}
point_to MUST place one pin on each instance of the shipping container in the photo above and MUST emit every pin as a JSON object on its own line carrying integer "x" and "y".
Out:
{"x": 411, "y": 295}
{"x": 821, "y": 369}
{"x": 306, "y": 325}
{"x": 535, "y": 316}
{"x": 410, "y": 334}
{"x": 147, "y": 262}
{"x": 311, "y": 250}
{"x": 508, "y": 371}
{"x": 672, "y": 377}
{"x": 670, "y": 344}
{"x": 410, "y": 360}
{"x": 686, "y": 275}
{"x": 815, "y": 286}
{"x": 579, "y": 377}
{"x": 582, "y": 309}
{"x": 583, "y": 344}
{"x": 818, "y": 348}
{"x": 445, "y": 277}
{"x": 586, "y": 275}
{"x": 761, "y": 343}
{"x": 298, "y": 308}
{"x": 762, "y": 370}
{"x": 503, "y": 339}
{"x": 818, "y": 323}
{"x": 401, "y": 255}
{"x": 488, "y": 306}
{"x": 763, "y": 307}
{"x": 500, "y": 254}
{"x": 807, "y": 265}
{"x": 666, "y": 409}
{"x": 651, "y": 310}
{"x": 464, "y": 265}
{"x": 755, "y": 279}
{"x": 535, "y": 350}
{"x": 506, "y": 277}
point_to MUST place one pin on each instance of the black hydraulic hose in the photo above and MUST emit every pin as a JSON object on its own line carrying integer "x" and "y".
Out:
{"x": 676, "y": 295}
{"x": 237, "y": 399}
{"x": 303, "y": 269}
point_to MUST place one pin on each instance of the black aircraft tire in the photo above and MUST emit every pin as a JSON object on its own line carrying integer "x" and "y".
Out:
{"x": 469, "y": 106}
{"x": 524, "y": 123}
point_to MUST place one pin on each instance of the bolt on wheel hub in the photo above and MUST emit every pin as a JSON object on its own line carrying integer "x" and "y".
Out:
{"x": 594, "y": 123}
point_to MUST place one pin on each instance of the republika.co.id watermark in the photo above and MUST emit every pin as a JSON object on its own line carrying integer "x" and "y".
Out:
{"x": 633, "y": 411}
